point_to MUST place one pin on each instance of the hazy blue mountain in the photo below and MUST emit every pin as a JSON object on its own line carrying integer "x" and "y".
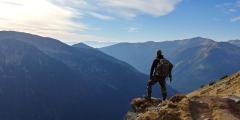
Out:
{"x": 100, "y": 54}
{"x": 196, "y": 61}
{"x": 235, "y": 42}
{"x": 99, "y": 44}
{"x": 43, "y": 78}
{"x": 34, "y": 85}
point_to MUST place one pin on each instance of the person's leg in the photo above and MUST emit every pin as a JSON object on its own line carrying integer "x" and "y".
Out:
{"x": 149, "y": 87}
{"x": 162, "y": 83}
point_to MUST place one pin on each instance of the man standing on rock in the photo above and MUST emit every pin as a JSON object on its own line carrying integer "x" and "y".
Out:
{"x": 160, "y": 70}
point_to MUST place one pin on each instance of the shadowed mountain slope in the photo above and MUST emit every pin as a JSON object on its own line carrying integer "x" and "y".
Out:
{"x": 34, "y": 85}
{"x": 43, "y": 78}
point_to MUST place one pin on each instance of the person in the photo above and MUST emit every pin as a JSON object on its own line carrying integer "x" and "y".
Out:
{"x": 160, "y": 70}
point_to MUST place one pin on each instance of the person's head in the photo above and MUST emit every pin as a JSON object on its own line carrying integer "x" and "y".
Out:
{"x": 159, "y": 53}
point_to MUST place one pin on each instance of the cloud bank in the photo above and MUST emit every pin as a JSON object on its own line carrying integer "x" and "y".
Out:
{"x": 120, "y": 8}
{"x": 54, "y": 18}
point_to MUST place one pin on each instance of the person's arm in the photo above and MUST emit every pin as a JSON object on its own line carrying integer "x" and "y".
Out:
{"x": 170, "y": 71}
{"x": 154, "y": 64}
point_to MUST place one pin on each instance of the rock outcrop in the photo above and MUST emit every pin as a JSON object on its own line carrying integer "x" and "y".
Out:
{"x": 219, "y": 100}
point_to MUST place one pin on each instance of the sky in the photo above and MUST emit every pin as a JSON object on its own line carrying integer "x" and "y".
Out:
{"x": 73, "y": 21}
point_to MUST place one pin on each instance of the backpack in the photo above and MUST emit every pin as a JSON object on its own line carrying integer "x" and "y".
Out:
{"x": 163, "y": 68}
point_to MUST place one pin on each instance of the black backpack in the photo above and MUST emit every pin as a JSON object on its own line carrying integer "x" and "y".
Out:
{"x": 163, "y": 68}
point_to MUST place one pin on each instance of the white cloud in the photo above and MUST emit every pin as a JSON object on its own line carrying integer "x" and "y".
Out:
{"x": 132, "y": 29}
{"x": 38, "y": 17}
{"x": 54, "y": 18}
{"x": 232, "y": 10}
{"x": 235, "y": 19}
{"x": 100, "y": 16}
{"x": 230, "y": 7}
{"x": 136, "y": 7}
{"x": 121, "y": 8}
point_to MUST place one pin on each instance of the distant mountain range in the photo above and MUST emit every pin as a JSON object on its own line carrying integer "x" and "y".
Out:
{"x": 99, "y": 44}
{"x": 43, "y": 78}
{"x": 235, "y": 42}
{"x": 197, "y": 61}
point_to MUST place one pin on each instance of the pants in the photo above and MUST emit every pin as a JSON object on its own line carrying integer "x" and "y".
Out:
{"x": 162, "y": 83}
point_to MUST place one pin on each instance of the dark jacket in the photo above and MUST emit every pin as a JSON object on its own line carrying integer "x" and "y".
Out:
{"x": 154, "y": 65}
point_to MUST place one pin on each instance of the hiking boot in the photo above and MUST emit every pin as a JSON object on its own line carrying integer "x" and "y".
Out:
{"x": 164, "y": 97}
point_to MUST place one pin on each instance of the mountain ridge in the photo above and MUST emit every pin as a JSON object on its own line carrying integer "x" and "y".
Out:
{"x": 195, "y": 60}
{"x": 83, "y": 84}
{"x": 219, "y": 100}
{"x": 80, "y": 95}
{"x": 235, "y": 42}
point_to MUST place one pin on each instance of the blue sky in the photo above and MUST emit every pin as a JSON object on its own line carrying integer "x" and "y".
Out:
{"x": 123, "y": 20}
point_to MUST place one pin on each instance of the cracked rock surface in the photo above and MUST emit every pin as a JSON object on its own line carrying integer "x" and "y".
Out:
{"x": 218, "y": 101}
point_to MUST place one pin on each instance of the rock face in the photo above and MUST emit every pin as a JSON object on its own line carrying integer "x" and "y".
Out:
{"x": 217, "y": 101}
